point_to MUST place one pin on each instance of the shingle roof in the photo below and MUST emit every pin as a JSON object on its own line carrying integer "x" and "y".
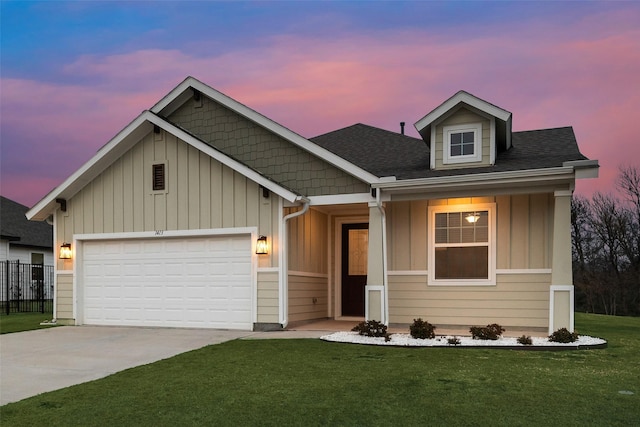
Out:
{"x": 15, "y": 227}
{"x": 386, "y": 153}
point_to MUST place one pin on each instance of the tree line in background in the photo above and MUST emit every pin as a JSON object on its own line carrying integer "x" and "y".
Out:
{"x": 606, "y": 248}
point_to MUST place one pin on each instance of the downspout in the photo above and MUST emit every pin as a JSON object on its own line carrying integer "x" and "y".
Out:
{"x": 284, "y": 262}
{"x": 385, "y": 281}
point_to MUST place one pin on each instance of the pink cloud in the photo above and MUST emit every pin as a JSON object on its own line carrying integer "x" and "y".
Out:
{"x": 584, "y": 76}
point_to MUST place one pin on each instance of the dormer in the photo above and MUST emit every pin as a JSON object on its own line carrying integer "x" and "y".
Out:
{"x": 464, "y": 132}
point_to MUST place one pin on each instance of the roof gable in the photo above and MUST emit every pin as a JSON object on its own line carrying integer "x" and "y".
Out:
{"x": 461, "y": 97}
{"x": 190, "y": 86}
{"x": 121, "y": 143}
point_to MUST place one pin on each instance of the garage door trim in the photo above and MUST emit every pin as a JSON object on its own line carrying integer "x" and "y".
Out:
{"x": 79, "y": 239}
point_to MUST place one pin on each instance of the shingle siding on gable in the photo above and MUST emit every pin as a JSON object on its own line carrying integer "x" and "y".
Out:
{"x": 263, "y": 151}
{"x": 463, "y": 116}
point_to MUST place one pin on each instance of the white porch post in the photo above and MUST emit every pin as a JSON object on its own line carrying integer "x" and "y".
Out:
{"x": 375, "y": 295}
{"x": 561, "y": 293}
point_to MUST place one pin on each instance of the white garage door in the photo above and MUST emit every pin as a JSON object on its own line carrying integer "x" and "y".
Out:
{"x": 194, "y": 282}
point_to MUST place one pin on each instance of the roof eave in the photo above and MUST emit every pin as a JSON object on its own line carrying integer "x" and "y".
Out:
{"x": 100, "y": 161}
{"x": 461, "y": 97}
{"x": 182, "y": 92}
{"x": 484, "y": 181}
{"x": 122, "y": 142}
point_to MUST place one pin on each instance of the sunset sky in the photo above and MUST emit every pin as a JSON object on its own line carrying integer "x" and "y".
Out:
{"x": 73, "y": 74}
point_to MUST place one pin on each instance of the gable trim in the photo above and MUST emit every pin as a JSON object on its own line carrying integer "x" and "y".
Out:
{"x": 182, "y": 92}
{"x": 466, "y": 98}
{"x": 126, "y": 139}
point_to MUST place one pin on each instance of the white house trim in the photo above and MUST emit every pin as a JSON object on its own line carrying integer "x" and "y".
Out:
{"x": 461, "y": 97}
{"x": 178, "y": 95}
{"x": 561, "y": 288}
{"x": 502, "y": 179}
{"x": 342, "y": 199}
{"x": 126, "y": 139}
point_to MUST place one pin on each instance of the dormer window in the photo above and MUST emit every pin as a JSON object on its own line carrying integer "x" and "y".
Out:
{"x": 462, "y": 143}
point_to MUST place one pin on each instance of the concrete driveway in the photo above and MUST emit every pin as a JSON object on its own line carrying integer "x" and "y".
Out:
{"x": 43, "y": 360}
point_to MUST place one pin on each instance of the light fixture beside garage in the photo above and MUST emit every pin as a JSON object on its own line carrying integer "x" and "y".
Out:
{"x": 261, "y": 246}
{"x": 65, "y": 251}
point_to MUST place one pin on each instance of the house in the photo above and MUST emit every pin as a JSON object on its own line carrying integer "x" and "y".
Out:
{"x": 26, "y": 258}
{"x": 204, "y": 213}
{"x": 21, "y": 240}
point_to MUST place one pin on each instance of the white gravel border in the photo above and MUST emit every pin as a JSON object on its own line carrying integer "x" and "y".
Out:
{"x": 405, "y": 340}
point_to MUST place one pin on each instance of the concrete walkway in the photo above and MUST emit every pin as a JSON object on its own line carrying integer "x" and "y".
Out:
{"x": 35, "y": 362}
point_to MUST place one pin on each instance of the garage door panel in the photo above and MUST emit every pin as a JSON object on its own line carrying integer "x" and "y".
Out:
{"x": 182, "y": 282}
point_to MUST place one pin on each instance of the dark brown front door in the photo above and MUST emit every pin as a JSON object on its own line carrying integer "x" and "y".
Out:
{"x": 355, "y": 244}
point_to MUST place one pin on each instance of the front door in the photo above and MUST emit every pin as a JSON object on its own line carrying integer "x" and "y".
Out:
{"x": 355, "y": 245}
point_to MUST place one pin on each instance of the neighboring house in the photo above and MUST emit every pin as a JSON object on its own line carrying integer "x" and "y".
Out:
{"x": 469, "y": 225}
{"x": 26, "y": 257}
{"x": 22, "y": 240}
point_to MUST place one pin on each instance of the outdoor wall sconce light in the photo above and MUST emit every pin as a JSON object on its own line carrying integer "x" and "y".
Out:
{"x": 261, "y": 245}
{"x": 65, "y": 251}
{"x": 472, "y": 218}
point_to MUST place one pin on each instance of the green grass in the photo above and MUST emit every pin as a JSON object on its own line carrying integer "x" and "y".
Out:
{"x": 18, "y": 322}
{"x": 310, "y": 382}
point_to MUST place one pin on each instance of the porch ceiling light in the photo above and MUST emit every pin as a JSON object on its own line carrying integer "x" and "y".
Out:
{"x": 261, "y": 246}
{"x": 472, "y": 218}
{"x": 65, "y": 251}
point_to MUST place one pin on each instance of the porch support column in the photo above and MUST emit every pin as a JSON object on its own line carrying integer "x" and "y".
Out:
{"x": 375, "y": 294}
{"x": 561, "y": 293}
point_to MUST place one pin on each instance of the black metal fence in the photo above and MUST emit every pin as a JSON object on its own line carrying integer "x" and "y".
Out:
{"x": 25, "y": 288}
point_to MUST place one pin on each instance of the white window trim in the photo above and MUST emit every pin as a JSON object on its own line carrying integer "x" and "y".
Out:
{"x": 476, "y": 128}
{"x": 491, "y": 278}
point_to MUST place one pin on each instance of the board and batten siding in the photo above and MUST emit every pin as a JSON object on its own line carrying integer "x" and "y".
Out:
{"x": 460, "y": 117}
{"x": 201, "y": 193}
{"x": 524, "y": 227}
{"x": 308, "y": 267}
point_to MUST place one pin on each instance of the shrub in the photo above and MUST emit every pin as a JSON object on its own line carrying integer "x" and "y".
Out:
{"x": 421, "y": 329}
{"x": 453, "y": 341}
{"x": 563, "y": 335}
{"x": 525, "y": 340}
{"x": 489, "y": 332}
{"x": 372, "y": 328}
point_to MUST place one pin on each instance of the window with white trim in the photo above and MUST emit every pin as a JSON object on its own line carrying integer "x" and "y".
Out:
{"x": 462, "y": 245}
{"x": 462, "y": 143}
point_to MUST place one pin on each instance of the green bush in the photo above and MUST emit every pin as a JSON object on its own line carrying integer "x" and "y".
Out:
{"x": 421, "y": 329}
{"x": 489, "y": 332}
{"x": 453, "y": 341}
{"x": 525, "y": 340}
{"x": 563, "y": 335}
{"x": 372, "y": 328}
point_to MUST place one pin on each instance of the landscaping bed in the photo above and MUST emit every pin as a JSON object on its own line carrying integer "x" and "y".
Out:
{"x": 405, "y": 340}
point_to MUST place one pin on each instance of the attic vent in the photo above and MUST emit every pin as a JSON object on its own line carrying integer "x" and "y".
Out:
{"x": 158, "y": 177}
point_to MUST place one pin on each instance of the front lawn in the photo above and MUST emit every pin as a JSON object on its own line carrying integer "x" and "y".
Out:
{"x": 18, "y": 322}
{"x": 311, "y": 382}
